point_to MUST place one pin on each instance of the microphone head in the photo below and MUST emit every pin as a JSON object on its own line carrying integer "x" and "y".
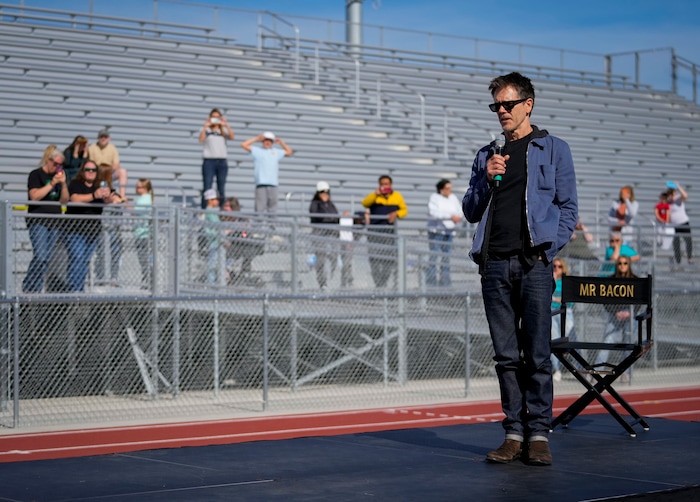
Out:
{"x": 498, "y": 145}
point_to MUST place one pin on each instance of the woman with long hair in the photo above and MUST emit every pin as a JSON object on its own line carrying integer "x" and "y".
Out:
{"x": 84, "y": 229}
{"x": 47, "y": 183}
{"x": 142, "y": 229}
{"x": 559, "y": 269}
{"x": 622, "y": 214}
{"x": 75, "y": 155}
{"x": 617, "y": 327}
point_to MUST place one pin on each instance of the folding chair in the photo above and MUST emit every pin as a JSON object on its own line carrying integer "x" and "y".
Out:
{"x": 576, "y": 356}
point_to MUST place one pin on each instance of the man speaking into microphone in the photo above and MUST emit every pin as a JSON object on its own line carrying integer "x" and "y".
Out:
{"x": 523, "y": 195}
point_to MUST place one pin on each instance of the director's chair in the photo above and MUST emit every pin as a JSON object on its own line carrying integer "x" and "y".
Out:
{"x": 576, "y": 356}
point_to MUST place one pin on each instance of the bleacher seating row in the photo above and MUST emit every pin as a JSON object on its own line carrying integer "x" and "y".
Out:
{"x": 154, "y": 95}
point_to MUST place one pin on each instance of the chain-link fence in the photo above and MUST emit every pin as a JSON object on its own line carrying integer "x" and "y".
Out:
{"x": 77, "y": 362}
{"x": 229, "y": 315}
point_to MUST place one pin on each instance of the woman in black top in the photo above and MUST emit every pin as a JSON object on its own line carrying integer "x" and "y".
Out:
{"x": 45, "y": 184}
{"x": 83, "y": 229}
{"x": 326, "y": 236}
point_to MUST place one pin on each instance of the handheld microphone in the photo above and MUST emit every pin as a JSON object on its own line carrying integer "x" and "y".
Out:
{"x": 498, "y": 145}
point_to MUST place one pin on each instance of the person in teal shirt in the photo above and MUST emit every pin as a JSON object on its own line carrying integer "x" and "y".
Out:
{"x": 142, "y": 228}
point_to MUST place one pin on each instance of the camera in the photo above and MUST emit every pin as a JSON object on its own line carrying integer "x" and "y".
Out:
{"x": 385, "y": 190}
{"x": 215, "y": 120}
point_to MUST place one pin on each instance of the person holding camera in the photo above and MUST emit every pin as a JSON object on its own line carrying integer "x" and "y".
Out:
{"x": 214, "y": 134}
{"x": 83, "y": 226}
{"x": 45, "y": 184}
{"x": 75, "y": 155}
{"x": 385, "y": 205}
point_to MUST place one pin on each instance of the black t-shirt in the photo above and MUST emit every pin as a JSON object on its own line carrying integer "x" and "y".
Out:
{"x": 39, "y": 178}
{"x": 508, "y": 221}
{"x": 89, "y": 227}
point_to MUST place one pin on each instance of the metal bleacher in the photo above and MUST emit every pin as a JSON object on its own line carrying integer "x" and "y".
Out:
{"x": 154, "y": 94}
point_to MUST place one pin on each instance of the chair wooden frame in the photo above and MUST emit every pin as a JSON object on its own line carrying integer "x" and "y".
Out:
{"x": 604, "y": 291}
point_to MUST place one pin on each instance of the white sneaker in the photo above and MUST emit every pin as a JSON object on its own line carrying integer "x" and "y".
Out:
{"x": 557, "y": 376}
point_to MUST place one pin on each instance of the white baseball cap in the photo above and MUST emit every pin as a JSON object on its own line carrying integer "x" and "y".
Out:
{"x": 210, "y": 194}
{"x": 322, "y": 186}
{"x": 269, "y": 135}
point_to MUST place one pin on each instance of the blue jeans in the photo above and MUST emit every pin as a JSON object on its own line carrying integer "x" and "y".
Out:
{"x": 43, "y": 239}
{"x": 80, "y": 250}
{"x": 517, "y": 300}
{"x": 440, "y": 245}
{"x": 211, "y": 168}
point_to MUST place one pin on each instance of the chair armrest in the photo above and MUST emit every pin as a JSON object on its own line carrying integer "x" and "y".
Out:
{"x": 646, "y": 315}
{"x": 556, "y": 311}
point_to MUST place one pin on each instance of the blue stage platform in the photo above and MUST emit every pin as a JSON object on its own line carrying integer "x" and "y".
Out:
{"x": 593, "y": 460}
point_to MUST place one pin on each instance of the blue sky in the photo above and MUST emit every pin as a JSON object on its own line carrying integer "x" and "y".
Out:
{"x": 595, "y": 26}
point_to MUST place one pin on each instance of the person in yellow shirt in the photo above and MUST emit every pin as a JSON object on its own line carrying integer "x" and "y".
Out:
{"x": 385, "y": 205}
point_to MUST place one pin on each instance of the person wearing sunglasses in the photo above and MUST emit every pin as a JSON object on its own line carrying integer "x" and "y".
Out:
{"x": 83, "y": 227}
{"x": 47, "y": 184}
{"x": 523, "y": 197}
{"x": 559, "y": 269}
{"x": 616, "y": 248}
{"x": 617, "y": 326}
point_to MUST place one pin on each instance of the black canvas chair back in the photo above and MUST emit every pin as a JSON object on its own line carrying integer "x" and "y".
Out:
{"x": 578, "y": 356}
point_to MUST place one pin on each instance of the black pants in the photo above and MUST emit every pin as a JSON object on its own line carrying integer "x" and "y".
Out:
{"x": 683, "y": 229}
{"x": 382, "y": 254}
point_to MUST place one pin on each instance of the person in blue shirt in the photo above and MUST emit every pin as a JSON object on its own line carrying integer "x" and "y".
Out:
{"x": 267, "y": 167}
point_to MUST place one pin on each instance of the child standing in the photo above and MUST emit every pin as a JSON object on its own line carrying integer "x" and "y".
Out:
{"x": 664, "y": 230}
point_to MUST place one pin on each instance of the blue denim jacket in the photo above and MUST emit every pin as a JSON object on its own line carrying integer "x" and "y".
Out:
{"x": 551, "y": 201}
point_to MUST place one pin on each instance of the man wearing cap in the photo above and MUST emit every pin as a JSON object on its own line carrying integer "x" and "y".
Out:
{"x": 266, "y": 161}
{"x": 104, "y": 152}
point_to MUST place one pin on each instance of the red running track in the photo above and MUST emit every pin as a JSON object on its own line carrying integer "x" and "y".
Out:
{"x": 675, "y": 404}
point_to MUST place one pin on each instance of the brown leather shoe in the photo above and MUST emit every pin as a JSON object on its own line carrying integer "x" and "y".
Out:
{"x": 510, "y": 450}
{"x": 538, "y": 453}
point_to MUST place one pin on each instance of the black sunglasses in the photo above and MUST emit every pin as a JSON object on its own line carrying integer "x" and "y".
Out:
{"x": 508, "y": 105}
{"x": 90, "y": 169}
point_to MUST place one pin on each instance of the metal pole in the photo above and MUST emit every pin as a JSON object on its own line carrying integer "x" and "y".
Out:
{"x": 259, "y": 31}
{"x": 422, "y": 119}
{"x": 401, "y": 287}
{"x": 357, "y": 83}
{"x": 444, "y": 127}
{"x": 15, "y": 368}
{"x": 217, "y": 368}
{"x": 296, "y": 57}
{"x": 266, "y": 356}
{"x": 467, "y": 347}
{"x": 674, "y": 72}
{"x": 316, "y": 65}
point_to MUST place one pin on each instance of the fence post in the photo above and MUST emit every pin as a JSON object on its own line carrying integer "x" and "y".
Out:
{"x": 265, "y": 351}
{"x": 7, "y": 286}
{"x": 217, "y": 367}
{"x": 15, "y": 367}
{"x": 467, "y": 347}
{"x": 401, "y": 287}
